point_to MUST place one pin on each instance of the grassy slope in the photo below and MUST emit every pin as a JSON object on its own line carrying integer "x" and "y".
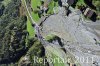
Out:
{"x": 30, "y": 29}
{"x": 56, "y": 63}
{"x": 51, "y": 6}
{"x": 50, "y": 37}
{"x": 34, "y": 4}
{"x": 54, "y": 53}
{"x": 80, "y": 3}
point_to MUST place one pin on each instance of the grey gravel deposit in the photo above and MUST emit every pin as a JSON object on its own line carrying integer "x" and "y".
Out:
{"x": 77, "y": 32}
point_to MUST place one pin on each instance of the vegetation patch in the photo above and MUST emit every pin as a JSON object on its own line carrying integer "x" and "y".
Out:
{"x": 30, "y": 29}
{"x": 97, "y": 4}
{"x": 56, "y": 61}
{"x": 56, "y": 55}
{"x": 80, "y": 3}
{"x": 52, "y": 4}
{"x": 34, "y": 4}
{"x": 50, "y": 37}
{"x": 36, "y": 50}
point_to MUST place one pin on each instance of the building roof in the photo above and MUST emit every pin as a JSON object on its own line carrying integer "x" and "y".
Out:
{"x": 88, "y": 12}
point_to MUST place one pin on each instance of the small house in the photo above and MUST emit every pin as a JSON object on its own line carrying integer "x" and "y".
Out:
{"x": 89, "y": 13}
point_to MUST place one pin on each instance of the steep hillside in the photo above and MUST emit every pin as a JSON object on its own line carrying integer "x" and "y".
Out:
{"x": 12, "y": 32}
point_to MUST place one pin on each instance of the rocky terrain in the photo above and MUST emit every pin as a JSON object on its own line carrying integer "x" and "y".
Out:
{"x": 78, "y": 37}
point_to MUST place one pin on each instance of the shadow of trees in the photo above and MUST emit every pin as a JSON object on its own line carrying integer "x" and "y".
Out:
{"x": 90, "y": 4}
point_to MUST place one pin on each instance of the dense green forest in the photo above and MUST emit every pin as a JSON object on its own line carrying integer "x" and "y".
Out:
{"x": 12, "y": 31}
